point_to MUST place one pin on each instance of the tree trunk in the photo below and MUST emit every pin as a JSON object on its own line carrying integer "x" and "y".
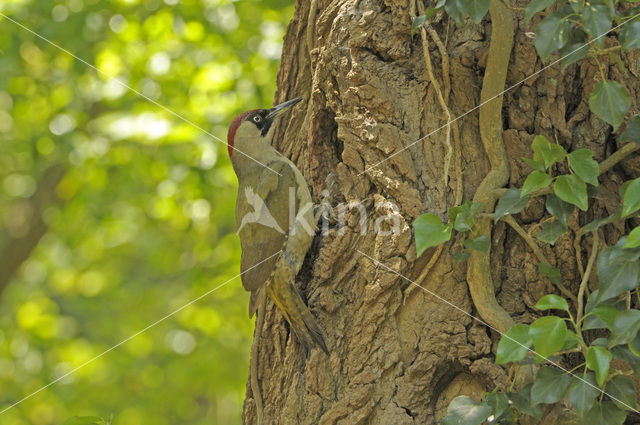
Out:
{"x": 399, "y": 354}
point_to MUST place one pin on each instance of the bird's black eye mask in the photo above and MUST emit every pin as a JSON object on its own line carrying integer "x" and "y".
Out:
{"x": 261, "y": 119}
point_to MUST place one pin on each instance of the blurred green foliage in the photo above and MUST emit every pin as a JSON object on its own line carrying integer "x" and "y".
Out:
{"x": 145, "y": 222}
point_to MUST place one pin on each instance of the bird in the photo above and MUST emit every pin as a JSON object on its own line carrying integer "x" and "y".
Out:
{"x": 272, "y": 195}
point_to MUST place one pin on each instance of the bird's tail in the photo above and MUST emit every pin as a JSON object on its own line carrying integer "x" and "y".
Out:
{"x": 288, "y": 300}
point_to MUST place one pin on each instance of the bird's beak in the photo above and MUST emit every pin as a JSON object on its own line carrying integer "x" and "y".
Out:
{"x": 275, "y": 111}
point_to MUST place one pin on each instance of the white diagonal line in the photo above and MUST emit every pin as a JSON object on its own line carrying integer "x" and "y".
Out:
{"x": 135, "y": 91}
{"x": 494, "y": 97}
{"x": 135, "y": 334}
{"x": 491, "y": 327}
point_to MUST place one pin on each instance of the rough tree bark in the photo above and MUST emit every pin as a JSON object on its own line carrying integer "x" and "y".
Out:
{"x": 398, "y": 354}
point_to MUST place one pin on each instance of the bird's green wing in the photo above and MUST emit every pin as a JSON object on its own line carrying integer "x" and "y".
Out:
{"x": 260, "y": 240}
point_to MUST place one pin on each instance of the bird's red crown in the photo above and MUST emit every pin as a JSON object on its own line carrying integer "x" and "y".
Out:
{"x": 231, "y": 134}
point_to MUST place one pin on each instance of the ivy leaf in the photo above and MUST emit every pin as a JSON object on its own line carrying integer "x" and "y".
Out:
{"x": 605, "y": 220}
{"x": 598, "y": 359}
{"x": 430, "y": 231}
{"x": 476, "y": 9}
{"x": 631, "y": 199}
{"x": 633, "y": 240}
{"x": 625, "y": 327}
{"x": 551, "y": 34}
{"x": 622, "y": 392}
{"x": 536, "y": 6}
{"x": 610, "y": 101}
{"x": 582, "y": 163}
{"x": 573, "y": 52}
{"x": 510, "y": 203}
{"x": 550, "y": 272}
{"x": 417, "y": 23}
{"x": 604, "y": 315}
{"x": 535, "y": 180}
{"x": 548, "y": 335}
{"x": 557, "y": 207}
{"x": 460, "y": 256}
{"x": 536, "y": 165}
{"x": 597, "y": 21}
{"x": 522, "y": 402}
{"x": 464, "y": 410}
{"x": 632, "y": 132}
{"x": 454, "y": 10}
{"x": 626, "y": 354}
{"x": 481, "y": 243}
{"x": 618, "y": 271}
{"x": 552, "y": 301}
{"x": 604, "y": 413}
{"x": 499, "y": 402}
{"x": 547, "y": 152}
{"x": 551, "y": 232}
{"x": 573, "y": 190}
{"x": 582, "y": 392}
{"x": 630, "y": 36}
{"x": 550, "y": 386}
{"x": 514, "y": 345}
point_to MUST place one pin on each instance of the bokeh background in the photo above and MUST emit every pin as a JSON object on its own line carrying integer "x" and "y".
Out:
{"x": 137, "y": 206}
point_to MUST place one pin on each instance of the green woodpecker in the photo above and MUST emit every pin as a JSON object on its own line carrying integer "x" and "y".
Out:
{"x": 274, "y": 215}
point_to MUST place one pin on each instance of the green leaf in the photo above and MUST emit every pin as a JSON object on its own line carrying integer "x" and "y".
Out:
{"x": 547, "y": 152}
{"x": 618, "y": 271}
{"x": 631, "y": 200}
{"x": 535, "y": 180}
{"x": 550, "y": 386}
{"x": 625, "y": 327}
{"x": 522, "y": 402}
{"x": 602, "y": 221}
{"x": 604, "y": 315}
{"x": 476, "y": 9}
{"x": 571, "y": 341}
{"x": 454, "y": 10}
{"x": 464, "y": 410}
{"x": 536, "y": 6}
{"x": 632, "y": 132}
{"x": 465, "y": 216}
{"x": 429, "y": 232}
{"x": 573, "y": 52}
{"x": 557, "y": 207}
{"x": 481, "y": 243}
{"x": 498, "y": 402}
{"x": 417, "y": 23}
{"x": 573, "y": 190}
{"x": 626, "y": 354}
{"x": 597, "y": 21}
{"x": 460, "y": 256}
{"x": 551, "y": 232}
{"x": 610, "y": 101}
{"x": 536, "y": 165}
{"x": 622, "y": 392}
{"x": 510, "y": 203}
{"x": 548, "y": 335}
{"x": 551, "y": 272}
{"x": 582, "y": 393}
{"x": 552, "y": 301}
{"x": 551, "y": 34}
{"x": 598, "y": 359}
{"x": 630, "y": 36}
{"x": 633, "y": 240}
{"x": 604, "y": 413}
{"x": 582, "y": 163}
{"x": 514, "y": 345}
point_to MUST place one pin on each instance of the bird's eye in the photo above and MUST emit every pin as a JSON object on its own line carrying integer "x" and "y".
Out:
{"x": 257, "y": 118}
